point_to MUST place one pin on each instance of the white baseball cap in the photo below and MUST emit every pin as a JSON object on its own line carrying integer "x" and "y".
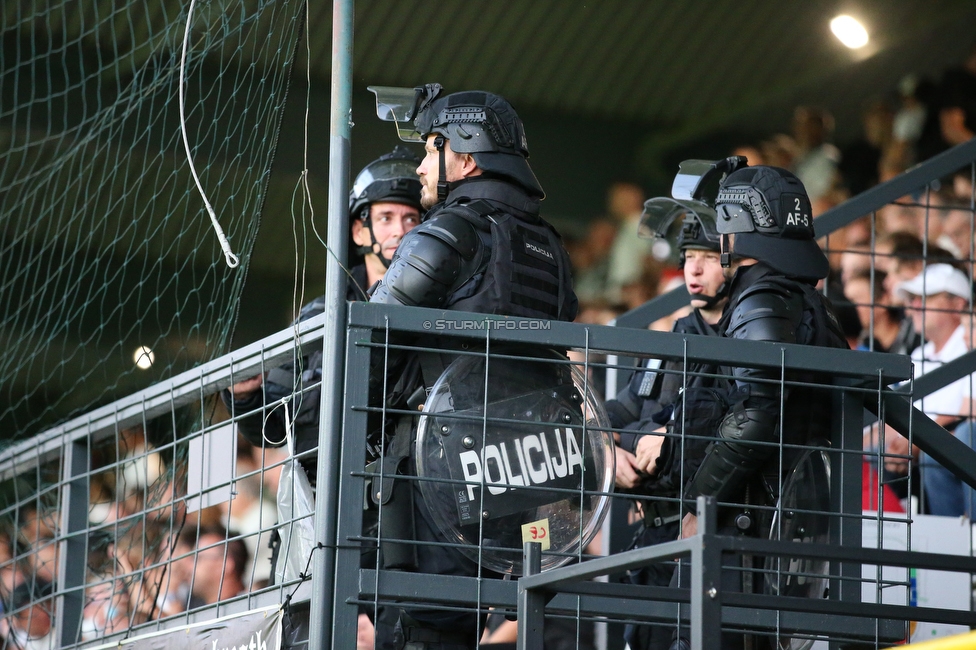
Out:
{"x": 937, "y": 278}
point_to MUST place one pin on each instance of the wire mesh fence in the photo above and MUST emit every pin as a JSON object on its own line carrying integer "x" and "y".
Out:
{"x": 121, "y": 522}
{"x": 813, "y": 520}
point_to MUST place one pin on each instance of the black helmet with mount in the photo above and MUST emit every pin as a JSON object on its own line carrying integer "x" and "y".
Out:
{"x": 769, "y": 212}
{"x": 476, "y": 122}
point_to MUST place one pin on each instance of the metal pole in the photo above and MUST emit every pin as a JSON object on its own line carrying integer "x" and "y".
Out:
{"x": 531, "y": 603}
{"x": 334, "y": 341}
{"x": 706, "y": 570}
{"x": 74, "y": 544}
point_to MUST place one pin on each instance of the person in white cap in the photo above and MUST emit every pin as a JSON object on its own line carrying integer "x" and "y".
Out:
{"x": 937, "y": 300}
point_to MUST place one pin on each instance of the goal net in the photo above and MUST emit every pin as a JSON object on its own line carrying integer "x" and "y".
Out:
{"x": 111, "y": 275}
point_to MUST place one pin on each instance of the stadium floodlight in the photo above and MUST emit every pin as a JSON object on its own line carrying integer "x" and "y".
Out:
{"x": 849, "y": 31}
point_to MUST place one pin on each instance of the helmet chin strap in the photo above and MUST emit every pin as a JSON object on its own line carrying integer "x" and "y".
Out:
{"x": 726, "y": 257}
{"x": 385, "y": 262}
{"x": 373, "y": 245}
{"x": 442, "y": 184}
{"x": 711, "y": 302}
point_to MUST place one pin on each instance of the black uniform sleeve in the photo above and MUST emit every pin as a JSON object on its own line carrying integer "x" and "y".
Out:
{"x": 432, "y": 261}
{"x": 629, "y": 410}
{"x": 626, "y": 407}
{"x": 750, "y": 425}
{"x": 264, "y": 424}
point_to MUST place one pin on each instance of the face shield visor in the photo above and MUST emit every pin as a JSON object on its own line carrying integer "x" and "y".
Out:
{"x": 664, "y": 218}
{"x": 402, "y": 106}
{"x": 699, "y": 180}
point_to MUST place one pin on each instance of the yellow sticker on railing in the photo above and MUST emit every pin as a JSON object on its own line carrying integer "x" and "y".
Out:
{"x": 537, "y": 531}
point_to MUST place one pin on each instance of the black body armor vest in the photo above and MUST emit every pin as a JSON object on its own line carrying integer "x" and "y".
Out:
{"x": 526, "y": 273}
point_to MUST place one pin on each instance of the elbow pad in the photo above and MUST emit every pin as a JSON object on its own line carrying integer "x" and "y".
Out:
{"x": 735, "y": 456}
{"x": 431, "y": 262}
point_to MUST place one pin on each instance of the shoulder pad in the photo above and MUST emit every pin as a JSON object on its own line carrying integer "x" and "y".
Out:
{"x": 454, "y": 228}
{"x": 478, "y": 213}
{"x": 432, "y": 261}
{"x": 480, "y": 208}
{"x": 766, "y": 315}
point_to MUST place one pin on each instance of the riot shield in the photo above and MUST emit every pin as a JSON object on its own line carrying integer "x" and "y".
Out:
{"x": 802, "y": 515}
{"x": 515, "y": 450}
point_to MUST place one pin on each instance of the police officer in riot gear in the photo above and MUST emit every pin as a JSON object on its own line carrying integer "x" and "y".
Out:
{"x": 483, "y": 198}
{"x": 483, "y": 247}
{"x": 384, "y": 204}
{"x": 653, "y": 391}
{"x": 643, "y": 409}
{"x": 765, "y": 221}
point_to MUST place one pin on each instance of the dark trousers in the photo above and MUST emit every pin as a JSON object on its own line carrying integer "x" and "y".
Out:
{"x": 428, "y": 628}
{"x": 652, "y": 637}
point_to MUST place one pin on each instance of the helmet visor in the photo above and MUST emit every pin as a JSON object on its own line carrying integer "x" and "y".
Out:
{"x": 699, "y": 180}
{"x": 661, "y": 214}
{"x": 690, "y": 175}
{"x": 396, "y": 104}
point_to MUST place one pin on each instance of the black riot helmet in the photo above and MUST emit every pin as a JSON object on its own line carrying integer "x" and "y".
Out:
{"x": 476, "y": 122}
{"x": 699, "y": 233}
{"x": 768, "y": 210}
{"x": 391, "y": 178}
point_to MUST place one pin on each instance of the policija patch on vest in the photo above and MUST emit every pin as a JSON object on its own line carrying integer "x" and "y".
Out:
{"x": 521, "y": 466}
{"x": 538, "y": 250}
